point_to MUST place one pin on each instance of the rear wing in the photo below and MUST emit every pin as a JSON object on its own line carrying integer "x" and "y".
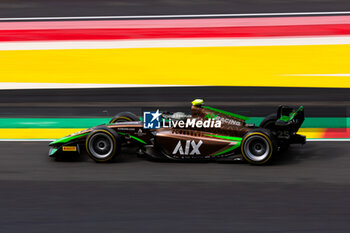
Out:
{"x": 289, "y": 118}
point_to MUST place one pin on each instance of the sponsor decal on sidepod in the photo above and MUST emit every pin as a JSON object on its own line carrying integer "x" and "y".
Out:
{"x": 189, "y": 143}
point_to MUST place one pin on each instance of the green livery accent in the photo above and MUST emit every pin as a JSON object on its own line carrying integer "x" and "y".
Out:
{"x": 285, "y": 118}
{"x": 138, "y": 139}
{"x": 227, "y": 113}
{"x": 53, "y": 151}
{"x": 301, "y": 108}
{"x": 236, "y": 139}
{"x": 67, "y": 138}
{"x": 225, "y": 137}
{"x": 229, "y": 149}
{"x": 133, "y": 137}
{"x": 292, "y": 115}
{"x": 211, "y": 116}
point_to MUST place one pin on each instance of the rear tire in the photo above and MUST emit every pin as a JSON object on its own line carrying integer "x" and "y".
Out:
{"x": 269, "y": 122}
{"x": 257, "y": 147}
{"x": 103, "y": 145}
{"x": 124, "y": 117}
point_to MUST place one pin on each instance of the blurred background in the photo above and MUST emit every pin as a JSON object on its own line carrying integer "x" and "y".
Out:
{"x": 70, "y": 65}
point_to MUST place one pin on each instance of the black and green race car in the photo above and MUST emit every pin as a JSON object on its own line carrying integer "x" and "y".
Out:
{"x": 206, "y": 134}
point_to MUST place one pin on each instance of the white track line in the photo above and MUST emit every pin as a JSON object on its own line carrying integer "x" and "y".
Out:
{"x": 319, "y": 75}
{"x": 328, "y": 139}
{"x": 179, "y": 16}
{"x": 174, "y": 43}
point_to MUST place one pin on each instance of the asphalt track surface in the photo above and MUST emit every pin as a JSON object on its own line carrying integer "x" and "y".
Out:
{"x": 51, "y": 8}
{"x": 249, "y": 101}
{"x": 307, "y": 190}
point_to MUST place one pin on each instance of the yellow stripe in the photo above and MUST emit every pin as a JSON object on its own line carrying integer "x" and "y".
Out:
{"x": 238, "y": 66}
{"x": 35, "y": 133}
{"x": 312, "y": 132}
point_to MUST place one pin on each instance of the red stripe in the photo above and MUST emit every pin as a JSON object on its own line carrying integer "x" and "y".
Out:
{"x": 337, "y": 133}
{"x": 157, "y": 33}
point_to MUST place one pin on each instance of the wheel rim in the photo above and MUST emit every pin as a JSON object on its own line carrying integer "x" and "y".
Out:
{"x": 100, "y": 145}
{"x": 257, "y": 148}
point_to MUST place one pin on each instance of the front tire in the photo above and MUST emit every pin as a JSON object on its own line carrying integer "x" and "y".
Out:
{"x": 124, "y": 117}
{"x": 103, "y": 145}
{"x": 257, "y": 147}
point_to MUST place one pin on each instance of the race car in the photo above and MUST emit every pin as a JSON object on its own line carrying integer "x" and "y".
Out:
{"x": 206, "y": 134}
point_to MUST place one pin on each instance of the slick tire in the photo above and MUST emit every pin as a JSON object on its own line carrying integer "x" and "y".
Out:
{"x": 103, "y": 145}
{"x": 269, "y": 122}
{"x": 257, "y": 147}
{"x": 124, "y": 117}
